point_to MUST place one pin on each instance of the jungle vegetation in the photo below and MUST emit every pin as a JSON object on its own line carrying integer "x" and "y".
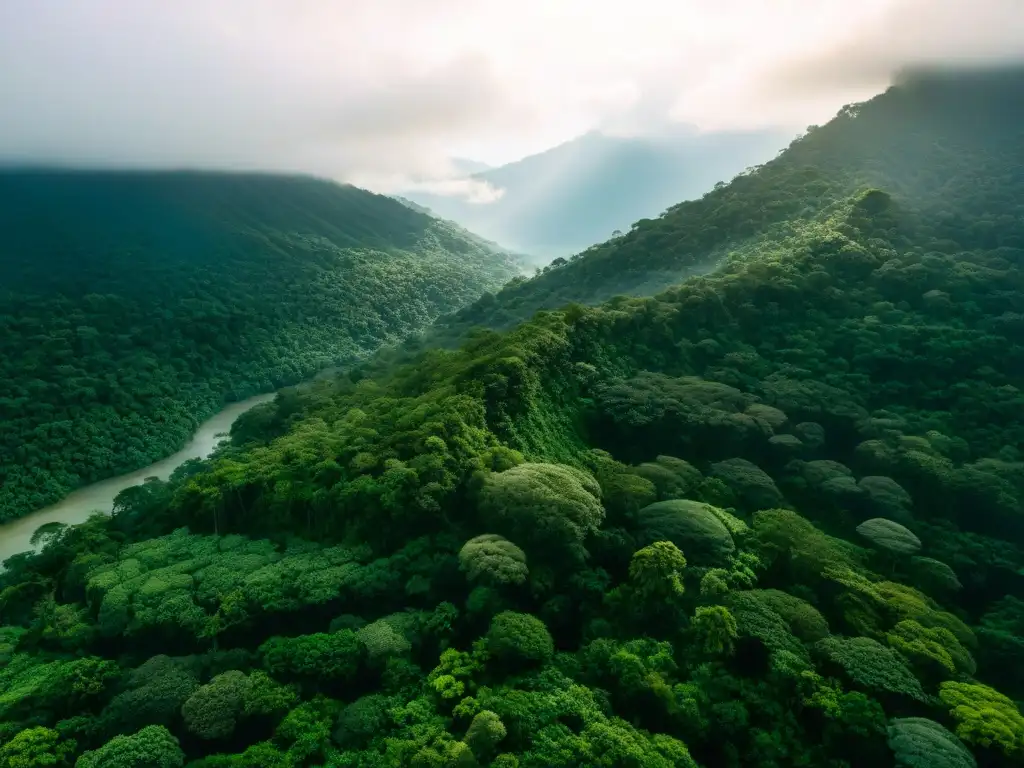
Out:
{"x": 133, "y": 305}
{"x": 948, "y": 143}
{"x": 770, "y": 517}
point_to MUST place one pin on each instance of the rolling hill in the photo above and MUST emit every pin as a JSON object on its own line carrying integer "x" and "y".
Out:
{"x": 944, "y": 146}
{"x": 560, "y": 201}
{"x": 133, "y": 304}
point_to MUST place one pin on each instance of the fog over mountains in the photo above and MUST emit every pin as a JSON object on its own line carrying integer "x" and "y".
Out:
{"x": 558, "y": 202}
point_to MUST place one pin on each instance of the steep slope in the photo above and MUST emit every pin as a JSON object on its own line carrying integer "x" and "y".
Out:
{"x": 521, "y": 259}
{"x": 133, "y": 304}
{"x": 561, "y": 201}
{"x": 773, "y": 516}
{"x": 943, "y": 145}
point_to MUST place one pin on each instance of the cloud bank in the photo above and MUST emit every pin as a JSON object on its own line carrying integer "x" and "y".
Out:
{"x": 383, "y": 92}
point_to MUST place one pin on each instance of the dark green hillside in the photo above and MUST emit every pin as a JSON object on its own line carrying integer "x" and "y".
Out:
{"x": 948, "y": 146}
{"x": 772, "y": 517}
{"x": 133, "y": 304}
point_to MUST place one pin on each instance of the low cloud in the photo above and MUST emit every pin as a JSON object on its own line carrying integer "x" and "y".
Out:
{"x": 476, "y": 191}
{"x": 382, "y": 92}
{"x": 902, "y": 36}
{"x": 128, "y": 84}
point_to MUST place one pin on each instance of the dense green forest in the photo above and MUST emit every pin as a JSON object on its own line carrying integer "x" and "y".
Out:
{"x": 132, "y": 305}
{"x": 770, "y": 517}
{"x": 951, "y": 147}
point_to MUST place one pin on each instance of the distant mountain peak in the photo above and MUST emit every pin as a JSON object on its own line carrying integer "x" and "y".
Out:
{"x": 559, "y": 201}
{"x": 466, "y": 167}
{"x": 939, "y": 147}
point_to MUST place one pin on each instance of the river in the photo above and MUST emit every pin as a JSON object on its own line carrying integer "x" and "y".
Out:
{"x": 77, "y": 506}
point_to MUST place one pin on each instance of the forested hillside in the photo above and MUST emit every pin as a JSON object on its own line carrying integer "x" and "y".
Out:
{"x": 133, "y": 304}
{"x": 946, "y": 146}
{"x": 771, "y": 517}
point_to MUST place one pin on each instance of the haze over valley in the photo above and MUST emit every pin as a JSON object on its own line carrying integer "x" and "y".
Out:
{"x": 557, "y": 203}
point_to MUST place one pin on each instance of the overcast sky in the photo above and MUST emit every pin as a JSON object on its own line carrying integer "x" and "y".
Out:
{"x": 376, "y": 91}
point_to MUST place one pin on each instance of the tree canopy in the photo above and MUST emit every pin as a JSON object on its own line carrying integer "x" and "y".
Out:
{"x": 135, "y": 305}
{"x": 580, "y": 541}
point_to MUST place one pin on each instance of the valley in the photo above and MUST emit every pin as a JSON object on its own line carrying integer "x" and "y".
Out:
{"x": 134, "y": 305}
{"x": 561, "y": 201}
{"x": 77, "y": 506}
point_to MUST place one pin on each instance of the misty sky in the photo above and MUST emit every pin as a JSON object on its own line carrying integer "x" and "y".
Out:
{"x": 381, "y": 91}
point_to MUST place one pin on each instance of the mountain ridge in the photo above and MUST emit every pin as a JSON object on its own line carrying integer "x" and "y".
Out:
{"x": 165, "y": 292}
{"x": 561, "y": 200}
{"x": 887, "y": 142}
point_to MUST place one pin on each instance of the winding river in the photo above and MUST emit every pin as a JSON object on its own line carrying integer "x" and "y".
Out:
{"x": 76, "y": 507}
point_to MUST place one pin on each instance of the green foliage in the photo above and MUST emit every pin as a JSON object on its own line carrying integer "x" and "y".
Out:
{"x": 153, "y": 693}
{"x": 330, "y": 657}
{"x": 714, "y": 583}
{"x": 638, "y": 673}
{"x": 672, "y": 478}
{"x": 804, "y": 620}
{"x": 890, "y": 536}
{"x": 716, "y": 627}
{"x": 29, "y": 682}
{"x": 870, "y": 664}
{"x": 1001, "y": 643}
{"x": 519, "y": 638}
{"x": 623, "y": 491}
{"x": 984, "y": 716}
{"x": 457, "y": 669}
{"x": 382, "y": 639}
{"x": 737, "y": 528}
{"x": 692, "y": 526}
{"x": 493, "y": 559}
{"x": 656, "y": 571}
{"x": 305, "y": 731}
{"x": 545, "y": 506}
{"x": 153, "y": 746}
{"x": 683, "y": 416}
{"x": 886, "y": 497}
{"x": 935, "y": 650}
{"x": 264, "y": 696}
{"x": 934, "y": 575}
{"x": 756, "y": 619}
{"x": 206, "y": 584}
{"x": 918, "y": 742}
{"x": 789, "y": 542}
{"x": 484, "y": 733}
{"x": 134, "y": 312}
{"x": 363, "y": 719}
{"x": 752, "y": 486}
{"x": 861, "y": 346}
{"x": 212, "y": 712}
{"x": 35, "y": 747}
{"x": 870, "y": 604}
